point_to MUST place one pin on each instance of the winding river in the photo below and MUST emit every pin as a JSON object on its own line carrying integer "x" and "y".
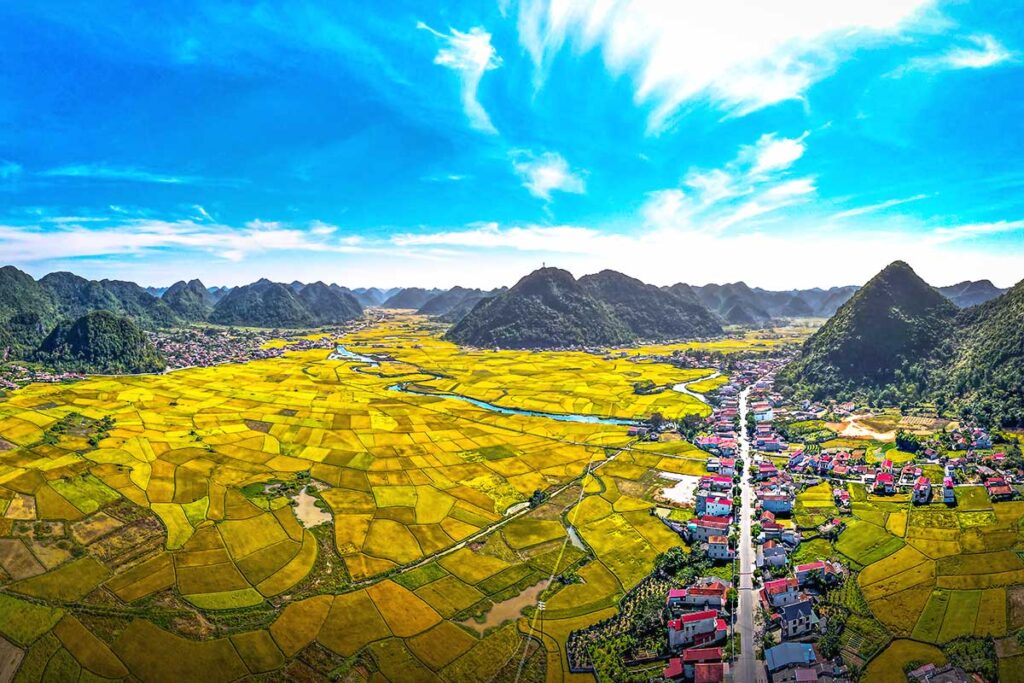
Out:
{"x": 343, "y": 354}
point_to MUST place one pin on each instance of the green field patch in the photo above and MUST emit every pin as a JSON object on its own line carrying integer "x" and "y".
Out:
{"x": 420, "y": 576}
{"x": 23, "y": 622}
{"x": 888, "y": 667}
{"x": 245, "y": 597}
{"x": 961, "y": 615}
{"x": 526, "y": 532}
{"x": 866, "y": 543}
{"x": 87, "y": 493}
{"x": 68, "y": 583}
{"x": 930, "y": 622}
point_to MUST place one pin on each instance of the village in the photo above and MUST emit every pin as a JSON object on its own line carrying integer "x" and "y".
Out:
{"x": 791, "y": 617}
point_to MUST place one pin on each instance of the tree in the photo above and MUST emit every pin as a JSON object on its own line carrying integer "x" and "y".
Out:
{"x": 657, "y": 420}
{"x": 536, "y": 498}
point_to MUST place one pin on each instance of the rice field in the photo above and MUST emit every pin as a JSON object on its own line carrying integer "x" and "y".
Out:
{"x": 413, "y": 573}
{"x": 932, "y": 573}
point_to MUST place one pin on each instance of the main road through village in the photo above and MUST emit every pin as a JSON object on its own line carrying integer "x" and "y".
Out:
{"x": 748, "y": 668}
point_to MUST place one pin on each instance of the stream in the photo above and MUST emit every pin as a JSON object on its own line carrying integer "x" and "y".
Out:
{"x": 341, "y": 353}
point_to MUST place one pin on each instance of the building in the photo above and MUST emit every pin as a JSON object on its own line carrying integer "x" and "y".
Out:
{"x": 771, "y": 554}
{"x": 777, "y": 503}
{"x": 922, "y": 491}
{"x": 798, "y": 619}
{"x": 718, "y": 549}
{"x": 701, "y": 529}
{"x": 788, "y": 655}
{"x": 684, "y": 667}
{"x": 762, "y": 411}
{"x": 717, "y": 672}
{"x": 948, "y": 494}
{"x": 727, "y": 467}
{"x": 781, "y": 592}
{"x": 885, "y": 483}
{"x": 711, "y": 505}
{"x": 713, "y": 594}
{"x": 698, "y": 628}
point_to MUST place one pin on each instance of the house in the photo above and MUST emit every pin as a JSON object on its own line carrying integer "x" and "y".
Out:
{"x": 948, "y": 494}
{"x": 766, "y": 470}
{"x": 998, "y": 489}
{"x": 698, "y": 628}
{"x": 780, "y": 592}
{"x": 714, "y": 506}
{"x": 798, "y": 619}
{"x": 885, "y": 483}
{"x": 713, "y": 464}
{"x": 929, "y": 673}
{"x": 777, "y": 502}
{"x": 721, "y": 483}
{"x": 771, "y": 554}
{"x": 717, "y": 672}
{"x": 685, "y": 666}
{"x": 762, "y": 411}
{"x": 718, "y": 549}
{"x": 829, "y": 573}
{"x": 727, "y": 467}
{"x": 787, "y": 655}
{"x": 712, "y": 595}
{"x": 922, "y": 491}
{"x": 703, "y": 528}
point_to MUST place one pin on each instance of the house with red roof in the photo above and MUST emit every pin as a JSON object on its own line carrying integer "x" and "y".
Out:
{"x": 779, "y": 592}
{"x": 922, "y": 491}
{"x": 885, "y": 483}
{"x": 698, "y": 628}
{"x": 718, "y": 549}
{"x": 711, "y": 673}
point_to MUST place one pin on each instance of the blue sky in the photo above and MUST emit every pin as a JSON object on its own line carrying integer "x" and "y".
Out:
{"x": 787, "y": 144}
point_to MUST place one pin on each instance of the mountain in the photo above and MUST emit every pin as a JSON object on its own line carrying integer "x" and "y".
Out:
{"x": 648, "y": 311}
{"x": 27, "y": 312}
{"x": 983, "y": 367}
{"x": 547, "y": 308}
{"x": 735, "y": 302}
{"x": 262, "y": 304}
{"x": 368, "y": 297}
{"x": 190, "y": 300}
{"x": 271, "y": 304}
{"x": 75, "y": 296}
{"x": 887, "y": 333}
{"x": 444, "y": 302}
{"x": 328, "y": 305}
{"x": 135, "y": 302}
{"x": 966, "y": 294}
{"x": 410, "y": 297}
{"x": 100, "y": 342}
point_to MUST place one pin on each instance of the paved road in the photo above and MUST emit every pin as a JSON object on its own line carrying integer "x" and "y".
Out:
{"x": 748, "y": 669}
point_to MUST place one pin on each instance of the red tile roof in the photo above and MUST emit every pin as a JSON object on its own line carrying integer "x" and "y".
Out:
{"x": 702, "y": 654}
{"x": 699, "y": 616}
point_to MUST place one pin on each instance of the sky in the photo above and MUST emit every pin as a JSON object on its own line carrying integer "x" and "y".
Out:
{"x": 796, "y": 143}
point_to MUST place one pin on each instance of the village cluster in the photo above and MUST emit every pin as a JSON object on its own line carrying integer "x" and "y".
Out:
{"x": 700, "y": 618}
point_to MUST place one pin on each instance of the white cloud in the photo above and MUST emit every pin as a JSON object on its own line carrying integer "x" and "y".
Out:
{"x": 564, "y": 238}
{"x": 754, "y": 183}
{"x": 471, "y": 55}
{"x": 873, "y": 208}
{"x": 71, "y": 238}
{"x": 771, "y": 153}
{"x": 969, "y": 231}
{"x": 740, "y": 56}
{"x": 547, "y": 173}
{"x": 978, "y": 52}
{"x": 137, "y": 175}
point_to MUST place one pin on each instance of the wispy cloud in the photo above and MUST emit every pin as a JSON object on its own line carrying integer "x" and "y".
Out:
{"x": 976, "y": 52}
{"x": 740, "y": 56}
{"x": 471, "y": 55}
{"x": 71, "y": 237}
{"x": 127, "y": 174}
{"x": 969, "y": 231}
{"x": 755, "y": 182}
{"x": 562, "y": 238}
{"x": 546, "y": 173}
{"x": 874, "y": 208}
